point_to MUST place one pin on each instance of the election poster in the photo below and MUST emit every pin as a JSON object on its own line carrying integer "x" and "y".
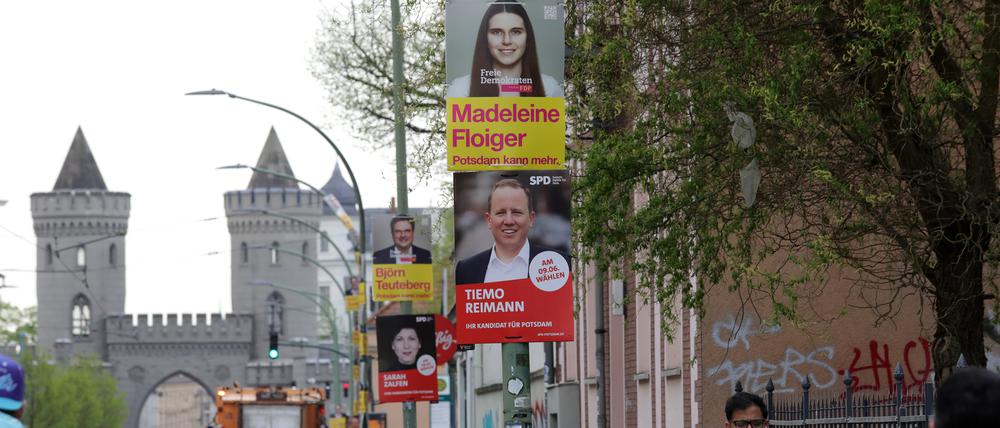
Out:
{"x": 504, "y": 104}
{"x": 512, "y": 241}
{"x": 354, "y": 295}
{"x": 444, "y": 339}
{"x": 504, "y": 48}
{"x": 407, "y": 358}
{"x": 401, "y": 262}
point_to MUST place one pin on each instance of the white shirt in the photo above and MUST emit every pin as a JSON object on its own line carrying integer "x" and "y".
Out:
{"x": 460, "y": 87}
{"x": 497, "y": 270}
{"x": 401, "y": 257}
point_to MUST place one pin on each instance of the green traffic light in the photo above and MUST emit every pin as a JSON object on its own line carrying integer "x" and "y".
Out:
{"x": 272, "y": 354}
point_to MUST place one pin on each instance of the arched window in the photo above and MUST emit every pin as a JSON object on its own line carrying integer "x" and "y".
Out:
{"x": 81, "y": 256}
{"x": 244, "y": 253}
{"x": 113, "y": 255}
{"x": 48, "y": 254}
{"x": 274, "y": 253}
{"x": 81, "y": 316}
{"x": 305, "y": 252}
{"x": 324, "y": 245}
{"x": 275, "y": 312}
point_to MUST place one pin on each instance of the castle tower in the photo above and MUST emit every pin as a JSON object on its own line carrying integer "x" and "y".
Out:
{"x": 81, "y": 228}
{"x": 261, "y": 243}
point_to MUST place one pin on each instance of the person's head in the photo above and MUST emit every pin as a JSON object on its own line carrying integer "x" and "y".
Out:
{"x": 744, "y": 409}
{"x": 11, "y": 387}
{"x": 505, "y": 40}
{"x": 406, "y": 345}
{"x": 509, "y": 214}
{"x": 402, "y": 232}
{"x": 968, "y": 398}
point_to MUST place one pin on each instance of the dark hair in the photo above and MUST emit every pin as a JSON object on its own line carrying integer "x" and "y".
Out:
{"x": 512, "y": 183}
{"x": 743, "y": 401}
{"x": 399, "y": 218}
{"x": 482, "y": 59}
{"x": 970, "y": 397}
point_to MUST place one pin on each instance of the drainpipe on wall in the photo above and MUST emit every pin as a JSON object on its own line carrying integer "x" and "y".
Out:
{"x": 599, "y": 332}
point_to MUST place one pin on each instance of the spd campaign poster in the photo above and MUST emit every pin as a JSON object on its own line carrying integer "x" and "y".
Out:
{"x": 401, "y": 262}
{"x": 504, "y": 68}
{"x": 407, "y": 358}
{"x": 512, "y": 238}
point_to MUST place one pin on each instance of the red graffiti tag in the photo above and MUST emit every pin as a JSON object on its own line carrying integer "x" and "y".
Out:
{"x": 873, "y": 370}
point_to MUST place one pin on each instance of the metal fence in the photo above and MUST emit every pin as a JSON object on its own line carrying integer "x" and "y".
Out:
{"x": 898, "y": 407}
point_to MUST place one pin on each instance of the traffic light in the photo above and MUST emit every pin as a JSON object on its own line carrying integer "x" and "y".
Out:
{"x": 347, "y": 389}
{"x": 272, "y": 347}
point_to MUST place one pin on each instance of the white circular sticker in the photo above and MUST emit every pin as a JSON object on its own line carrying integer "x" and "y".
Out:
{"x": 549, "y": 271}
{"x": 426, "y": 365}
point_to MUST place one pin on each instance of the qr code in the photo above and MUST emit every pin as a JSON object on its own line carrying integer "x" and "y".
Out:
{"x": 551, "y": 12}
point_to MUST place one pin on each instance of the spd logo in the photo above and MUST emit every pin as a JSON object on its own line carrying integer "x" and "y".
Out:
{"x": 536, "y": 180}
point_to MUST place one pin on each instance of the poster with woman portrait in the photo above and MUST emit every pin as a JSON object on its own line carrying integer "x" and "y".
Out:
{"x": 504, "y": 48}
{"x": 513, "y": 281}
{"x": 504, "y": 67}
{"x": 407, "y": 358}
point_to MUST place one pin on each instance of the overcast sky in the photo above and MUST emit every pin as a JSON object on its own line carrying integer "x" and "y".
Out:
{"x": 119, "y": 70}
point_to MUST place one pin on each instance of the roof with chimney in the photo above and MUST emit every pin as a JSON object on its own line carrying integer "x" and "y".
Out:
{"x": 79, "y": 170}
{"x": 273, "y": 158}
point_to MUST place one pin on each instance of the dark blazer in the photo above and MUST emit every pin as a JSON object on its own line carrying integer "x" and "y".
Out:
{"x": 382, "y": 257}
{"x": 472, "y": 270}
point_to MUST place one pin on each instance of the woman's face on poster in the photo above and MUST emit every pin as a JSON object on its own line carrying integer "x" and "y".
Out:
{"x": 406, "y": 344}
{"x": 507, "y": 38}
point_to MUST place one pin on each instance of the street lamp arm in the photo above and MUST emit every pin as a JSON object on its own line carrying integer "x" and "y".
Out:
{"x": 307, "y": 258}
{"x": 310, "y": 345}
{"x": 321, "y": 233}
{"x": 347, "y": 166}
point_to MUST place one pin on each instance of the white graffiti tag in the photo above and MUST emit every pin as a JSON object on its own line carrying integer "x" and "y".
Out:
{"x": 727, "y": 333}
{"x": 787, "y": 374}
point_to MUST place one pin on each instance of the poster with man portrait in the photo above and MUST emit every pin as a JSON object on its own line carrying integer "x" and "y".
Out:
{"x": 407, "y": 358}
{"x": 504, "y": 68}
{"x": 401, "y": 261}
{"x": 513, "y": 281}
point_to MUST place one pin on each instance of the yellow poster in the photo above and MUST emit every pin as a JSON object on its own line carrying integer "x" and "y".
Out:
{"x": 402, "y": 282}
{"x": 356, "y": 299}
{"x": 360, "y": 341}
{"x": 509, "y": 133}
{"x": 361, "y": 405}
{"x": 354, "y": 302}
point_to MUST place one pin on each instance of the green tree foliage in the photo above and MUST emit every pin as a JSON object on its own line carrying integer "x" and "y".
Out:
{"x": 354, "y": 62}
{"x": 79, "y": 395}
{"x": 16, "y": 322}
{"x": 876, "y": 137}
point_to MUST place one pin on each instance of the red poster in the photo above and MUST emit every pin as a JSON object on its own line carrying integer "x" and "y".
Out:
{"x": 444, "y": 332}
{"x": 407, "y": 358}
{"x": 535, "y": 309}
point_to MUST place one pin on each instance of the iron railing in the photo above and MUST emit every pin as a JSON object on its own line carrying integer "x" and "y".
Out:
{"x": 897, "y": 408}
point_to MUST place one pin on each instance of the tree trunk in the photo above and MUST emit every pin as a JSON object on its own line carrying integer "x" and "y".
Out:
{"x": 958, "y": 289}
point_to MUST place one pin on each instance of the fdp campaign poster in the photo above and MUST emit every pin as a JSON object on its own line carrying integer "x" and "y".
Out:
{"x": 407, "y": 358}
{"x": 505, "y": 106}
{"x": 401, "y": 262}
{"x": 512, "y": 240}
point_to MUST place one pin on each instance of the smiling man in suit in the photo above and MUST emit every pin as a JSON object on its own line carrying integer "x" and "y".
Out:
{"x": 509, "y": 217}
{"x": 402, "y": 250}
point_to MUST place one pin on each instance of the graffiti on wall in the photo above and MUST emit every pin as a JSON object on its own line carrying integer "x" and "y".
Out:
{"x": 870, "y": 363}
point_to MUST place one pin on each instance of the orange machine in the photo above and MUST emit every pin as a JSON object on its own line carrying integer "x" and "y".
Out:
{"x": 270, "y": 407}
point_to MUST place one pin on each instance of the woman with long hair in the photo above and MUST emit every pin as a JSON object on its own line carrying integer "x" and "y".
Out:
{"x": 505, "y": 58}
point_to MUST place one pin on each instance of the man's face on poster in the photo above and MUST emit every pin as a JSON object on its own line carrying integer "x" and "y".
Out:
{"x": 402, "y": 235}
{"x": 509, "y": 217}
